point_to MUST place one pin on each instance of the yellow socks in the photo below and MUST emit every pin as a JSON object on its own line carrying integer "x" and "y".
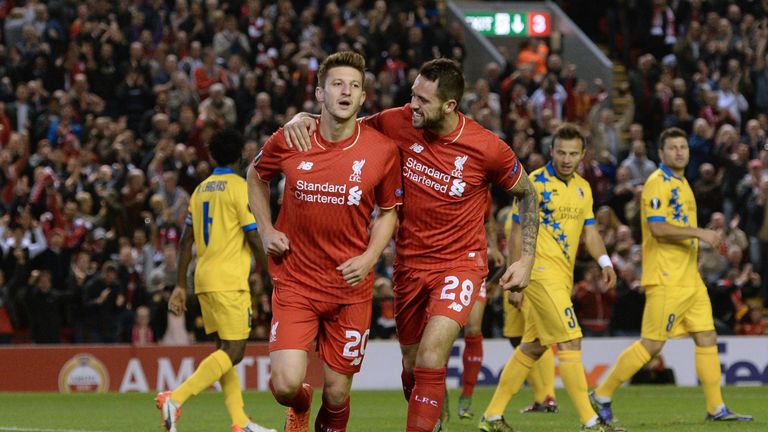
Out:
{"x": 572, "y": 373}
{"x": 708, "y": 370}
{"x": 629, "y": 362}
{"x": 211, "y": 369}
{"x": 542, "y": 376}
{"x": 512, "y": 377}
{"x": 233, "y": 397}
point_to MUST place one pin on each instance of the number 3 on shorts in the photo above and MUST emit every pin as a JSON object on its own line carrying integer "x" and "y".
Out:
{"x": 465, "y": 296}
{"x": 356, "y": 347}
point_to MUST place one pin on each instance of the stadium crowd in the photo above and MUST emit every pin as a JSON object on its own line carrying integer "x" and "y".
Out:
{"x": 106, "y": 109}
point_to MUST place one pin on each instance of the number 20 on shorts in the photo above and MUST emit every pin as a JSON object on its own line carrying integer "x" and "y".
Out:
{"x": 465, "y": 295}
{"x": 355, "y": 348}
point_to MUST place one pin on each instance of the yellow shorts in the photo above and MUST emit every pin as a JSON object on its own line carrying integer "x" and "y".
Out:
{"x": 676, "y": 311}
{"x": 227, "y": 313}
{"x": 549, "y": 314}
{"x": 514, "y": 323}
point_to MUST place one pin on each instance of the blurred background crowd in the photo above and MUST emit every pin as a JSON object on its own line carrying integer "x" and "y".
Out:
{"x": 106, "y": 108}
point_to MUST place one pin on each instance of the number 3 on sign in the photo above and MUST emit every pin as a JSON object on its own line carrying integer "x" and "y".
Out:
{"x": 356, "y": 347}
{"x": 465, "y": 296}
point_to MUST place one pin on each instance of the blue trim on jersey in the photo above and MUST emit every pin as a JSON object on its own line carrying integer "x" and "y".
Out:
{"x": 221, "y": 170}
{"x": 516, "y": 218}
{"x": 250, "y": 227}
{"x": 656, "y": 219}
{"x": 553, "y": 173}
{"x": 668, "y": 171}
{"x": 588, "y": 222}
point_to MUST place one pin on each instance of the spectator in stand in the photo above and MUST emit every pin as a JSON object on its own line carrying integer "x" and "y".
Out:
{"x": 141, "y": 334}
{"x": 638, "y": 164}
{"x": 753, "y": 323}
{"x": 606, "y": 130}
{"x": 593, "y": 302}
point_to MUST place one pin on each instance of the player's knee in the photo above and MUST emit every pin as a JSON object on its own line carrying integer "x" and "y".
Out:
{"x": 533, "y": 350}
{"x": 430, "y": 358}
{"x": 335, "y": 393}
{"x": 472, "y": 329}
{"x": 284, "y": 385}
{"x": 235, "y": 350}
{"x": 705, "y": 339}
{"x": 653, "y": 347}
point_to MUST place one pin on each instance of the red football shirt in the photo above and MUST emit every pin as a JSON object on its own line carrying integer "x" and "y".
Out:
{"x": 445, "y": 182}
{"x": 329, "y": 197}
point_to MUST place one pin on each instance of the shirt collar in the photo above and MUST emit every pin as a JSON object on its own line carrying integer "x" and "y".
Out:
{"x": 668, "y": 171}
{"x": 223, "y": 170}
{"x": 552, "y": 173}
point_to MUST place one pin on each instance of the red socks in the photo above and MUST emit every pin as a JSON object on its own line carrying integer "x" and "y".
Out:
{"x": 473, "y": 361}
{"x": 426, "y": 401}
{"x": 332, "y": 418}
{"x": 300, "y": 402}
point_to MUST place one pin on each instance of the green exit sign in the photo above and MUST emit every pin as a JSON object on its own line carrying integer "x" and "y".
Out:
{"x": 509, "y": 24}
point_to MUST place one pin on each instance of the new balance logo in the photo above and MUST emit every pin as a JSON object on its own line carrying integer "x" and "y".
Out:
{"x": 417, "y": 148}
{"x": 355, "y": 195}
{"x": 455, "y": 306}
{"x": 425, "y": 400}
{"x": 457, "y": 188}
{"x": 305, "y": 166}
{"x": 273, "y": 332}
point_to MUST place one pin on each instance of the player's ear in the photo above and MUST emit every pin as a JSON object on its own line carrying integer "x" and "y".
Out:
{"x": 449, "y": 106}
{"x": 319, "y": 94}
{"x": 362, "y": 99}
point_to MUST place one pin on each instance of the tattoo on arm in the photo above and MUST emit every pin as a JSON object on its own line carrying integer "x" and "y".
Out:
{"x": 527, "y": 205}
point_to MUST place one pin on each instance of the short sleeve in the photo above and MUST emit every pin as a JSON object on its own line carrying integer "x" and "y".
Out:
{"x": 655, "y": 201}
{"x": 389, "y": 122}
{"x": 389, "y": 191}
{"x": 268, "y": 162}
{"x": 504, "y": 168}
{"x": 244, "y": 215}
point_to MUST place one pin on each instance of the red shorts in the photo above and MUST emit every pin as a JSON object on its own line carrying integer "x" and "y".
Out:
{"x": 419, "y": 294}
{"x": 339, "y": 330}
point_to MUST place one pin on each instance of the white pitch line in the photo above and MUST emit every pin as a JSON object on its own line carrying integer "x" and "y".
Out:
{"x": 21, "y": 429}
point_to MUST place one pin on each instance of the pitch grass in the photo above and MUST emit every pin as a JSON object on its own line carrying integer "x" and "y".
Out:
{"x": 640, "y": 408}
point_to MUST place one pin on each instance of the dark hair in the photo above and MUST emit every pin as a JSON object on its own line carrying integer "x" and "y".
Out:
{"x": 669, "y": 133}
{"x": 226, "y": 146}
{"x": 448, "y": 76}
{"x": 342, "y": 58}
{"x": 569, "y": 131}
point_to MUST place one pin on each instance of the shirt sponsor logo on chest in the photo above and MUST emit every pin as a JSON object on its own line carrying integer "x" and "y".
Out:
{"x": 434, "y": 178}
{"x": 330, "y": 192}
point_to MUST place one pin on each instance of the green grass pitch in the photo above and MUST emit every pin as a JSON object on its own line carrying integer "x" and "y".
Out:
{"x": 639, "y": 408}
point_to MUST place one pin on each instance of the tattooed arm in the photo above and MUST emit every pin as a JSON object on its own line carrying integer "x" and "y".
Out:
{"x": 518, "y": 274}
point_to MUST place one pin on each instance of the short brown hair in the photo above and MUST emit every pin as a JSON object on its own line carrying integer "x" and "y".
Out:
{"x": 669, "y": 133}
{"x": 342, "y": 58}
{"x": 448, "y": 76}
{"x": 569, "y": 131}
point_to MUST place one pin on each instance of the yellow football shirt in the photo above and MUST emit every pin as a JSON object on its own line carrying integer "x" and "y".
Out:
{"x": 219, "y": 216}
{"x": 564, "y": 209}
{"x": 667, "y": 198}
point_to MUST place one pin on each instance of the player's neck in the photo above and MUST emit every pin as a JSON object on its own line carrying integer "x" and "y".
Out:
{"x": 446, "y": 126}
{"x": 333, "y": 130}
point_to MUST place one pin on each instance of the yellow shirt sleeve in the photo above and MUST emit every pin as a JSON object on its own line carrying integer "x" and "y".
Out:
{"x": 655, "y": 200}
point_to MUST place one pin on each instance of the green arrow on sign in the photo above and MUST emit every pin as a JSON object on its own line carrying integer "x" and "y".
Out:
{"x": 518, "y": 24}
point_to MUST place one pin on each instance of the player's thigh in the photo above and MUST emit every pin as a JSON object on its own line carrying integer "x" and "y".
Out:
{"x": 475, "y": 322}
{"x": 411, "y": 301}
{"x": 550, "y": 314}
{"x": 295, "y": 320}
{"x": 664, "y": 310}
{"x": 453, "y": 293}
{"x": 514, "y": 322}
{"x": 698, "y": 317}
{"x": 344, "y": 335}
{"x": 227, "y": 313}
